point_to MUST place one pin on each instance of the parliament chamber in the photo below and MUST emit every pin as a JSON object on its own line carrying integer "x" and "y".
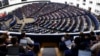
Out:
{"x": 54, "y": 27}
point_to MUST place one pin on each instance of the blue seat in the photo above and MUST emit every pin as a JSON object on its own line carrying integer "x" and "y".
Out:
{"x": 62, "y": 46}
{"x": 36, "y": 47}
{"x": 30, "y": 53}
{"x": 67, "y": 53}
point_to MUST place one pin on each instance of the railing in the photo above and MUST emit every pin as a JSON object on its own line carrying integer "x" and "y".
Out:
{"x": 45, "y": 34}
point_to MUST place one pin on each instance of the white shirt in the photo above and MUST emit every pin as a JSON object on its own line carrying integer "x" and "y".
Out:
{"x": 29, "y": 40}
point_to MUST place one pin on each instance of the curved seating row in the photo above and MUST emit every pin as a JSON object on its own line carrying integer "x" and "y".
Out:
{"x": 30, "y": 9}
{"x": 89, "y": 22}
{"x": 95, "y": 21}
{"x": 82, "y": 24}
{"x": 56, "y": 17}
{"x": 18, "y": 13}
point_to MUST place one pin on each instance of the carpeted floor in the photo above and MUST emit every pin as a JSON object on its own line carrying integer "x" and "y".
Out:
{"x": 49, "y": 52}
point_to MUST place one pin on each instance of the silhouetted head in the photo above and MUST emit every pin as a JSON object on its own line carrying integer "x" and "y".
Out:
{"x": 14, "y": 40}
{"x": 77, "y": 41}
{"x": 92, "y": 33}
{"x": 67, "y": 36}
{"x": 23, "y": 34}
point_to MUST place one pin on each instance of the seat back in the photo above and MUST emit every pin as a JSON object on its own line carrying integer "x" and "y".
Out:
{"x": 13, "y": 50}
{"x": 84, "y": 53}
{"x": 67, "y": 53}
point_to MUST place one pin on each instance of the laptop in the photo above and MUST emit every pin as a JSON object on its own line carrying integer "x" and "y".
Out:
{"x": 23, "y": 42}
{"x": 68, "y": 43}
{"x": 84, "y": 53}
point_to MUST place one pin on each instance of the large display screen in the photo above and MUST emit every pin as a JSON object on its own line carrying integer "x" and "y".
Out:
{"x": 14, "y": 1}
{"x": 11, "y": 2}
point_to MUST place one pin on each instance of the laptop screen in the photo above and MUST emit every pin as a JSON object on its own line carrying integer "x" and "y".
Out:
{"x": 23, "y": 42}
{"x": 84, "y": 53}
{"x": 68, "y": 42}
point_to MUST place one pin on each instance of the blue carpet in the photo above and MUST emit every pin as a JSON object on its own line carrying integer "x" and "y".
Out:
{"x": 49, "y": 52}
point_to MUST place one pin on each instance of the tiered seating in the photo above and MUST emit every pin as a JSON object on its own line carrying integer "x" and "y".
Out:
{"x": 78, "y": 23}
{"x": 16, "y": 27}
{"x": 89, "y": 22}
{"x": 55, "y": 17}
{"x": 63, "y": 22}
{"x": 27, "y": 10}
{"x": 48, "y": 8}
{"x": 30, "y": 9}
{"x": 95, "y": 21}
{"x": 13, "y": 22}
{"x": 63, "y": 25}
{"x": 71, "y": 25}
{"x": 38, "y": 20}
{"x": 30, "y": 27}
{"x": 46, "y": 21}
{"x": 66, "y": 25}
{"x": 18, "y": 13}
{"x": 27, "y": 27}
{"x": 82, "y": 24}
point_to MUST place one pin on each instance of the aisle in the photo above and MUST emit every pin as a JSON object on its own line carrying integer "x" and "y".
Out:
{"x": 49, "y": 51}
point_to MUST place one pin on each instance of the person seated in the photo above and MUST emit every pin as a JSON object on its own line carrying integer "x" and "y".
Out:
{"x": 30, "y": 42}
{"x": 14, "y": 43}
{"x": 66, "y": 37}
{"x": 75, "y": 47}
{"x": 92, "y": 38}
{"x": 6, "y": 38}
{"x": 82, "y": 36}
{"x": 66, "y": 42}
{"x": 96, "y": 47}
{"x": 3, "y": 49}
